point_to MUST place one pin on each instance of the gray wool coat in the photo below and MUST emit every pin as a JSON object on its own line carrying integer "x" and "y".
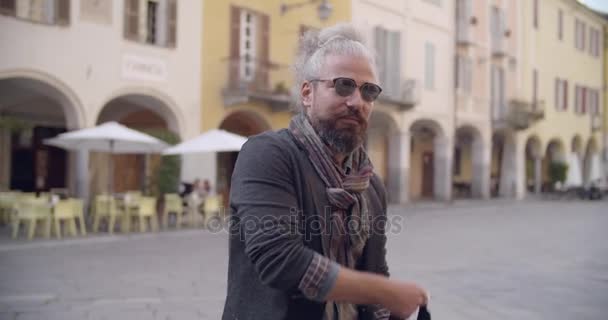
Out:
{"x": 276, "y": 201}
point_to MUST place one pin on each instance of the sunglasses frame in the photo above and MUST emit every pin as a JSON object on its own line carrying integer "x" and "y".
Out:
{"x": 364, "y": 96}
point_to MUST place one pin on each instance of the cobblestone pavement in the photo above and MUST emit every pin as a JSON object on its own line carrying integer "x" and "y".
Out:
{"x": 479, "y": 260}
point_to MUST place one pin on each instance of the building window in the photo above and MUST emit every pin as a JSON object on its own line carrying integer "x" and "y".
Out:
{"x": 249, "y": 48}
{"x": 152, "y": 11}
{"x": 388, "y": 48}
{"x": 561, "y": 94}
{"x": 429, "y": 78}
{"x": 53, "y": 12}
{"x": 158, "y": 19}
{"x": 582, "y": 99}
{"x": 560, "y": 24}
{"x": 464, "y": 74}
{"x": 535, "y": 13}
{"x": 497, "y": 92}
{"x": 579, "y": 34}
{"x": 594, "y": 42}
{"x": 498, "y": 27}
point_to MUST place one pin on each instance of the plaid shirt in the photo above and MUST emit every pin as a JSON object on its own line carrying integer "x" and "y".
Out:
{"x": 320, "y": 277}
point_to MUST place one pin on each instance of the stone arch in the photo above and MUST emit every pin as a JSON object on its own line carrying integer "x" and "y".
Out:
{"x": 245, "y": 123}
{"x": 555, "y": 152}
{"x": 430, "y": 159}
{"x": 141, "y": 109}
{"x": 144, "y": 98}
{"x": 577, "y": 145}
{"x": 51, "y": 107}
{"x": 242, "y": 122}
{"x": 382, "y": 146}
{"x": 73, "y": 110}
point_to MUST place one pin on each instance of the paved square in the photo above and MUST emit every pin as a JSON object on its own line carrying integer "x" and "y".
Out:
{"x": 479, "y": 260}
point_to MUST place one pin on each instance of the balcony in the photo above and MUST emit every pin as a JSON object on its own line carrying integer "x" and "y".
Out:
{"x": 405, "y": 98}
{"x": 257, "y": 81}
{"x": 519, "y": 114}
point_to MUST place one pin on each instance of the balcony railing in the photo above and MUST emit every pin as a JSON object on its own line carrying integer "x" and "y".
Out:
{"x": 257, "y": 81}
{"x": 406, "y": 97}
{"x": 519, "y": 114}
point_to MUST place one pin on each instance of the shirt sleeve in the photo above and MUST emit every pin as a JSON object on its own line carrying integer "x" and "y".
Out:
{"x": 319, "y": 278}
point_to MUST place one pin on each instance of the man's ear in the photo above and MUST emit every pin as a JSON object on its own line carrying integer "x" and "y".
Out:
{"x": 306, "y": 93}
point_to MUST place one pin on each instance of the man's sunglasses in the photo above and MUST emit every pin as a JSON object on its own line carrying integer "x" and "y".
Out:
{"x": 346, "y": 86}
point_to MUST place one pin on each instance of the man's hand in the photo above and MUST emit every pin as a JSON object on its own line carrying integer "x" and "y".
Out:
{"x": 403, "y": 298}
{"x": 400, "y": 298}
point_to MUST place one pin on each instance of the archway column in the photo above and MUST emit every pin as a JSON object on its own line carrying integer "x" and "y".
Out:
{"x": 5, "y": 157}
{"x": 399, "y": 167}
{"x": 538, "y": 173}
{"x": 443, "y": 168}
{"x": 482, "y": 157}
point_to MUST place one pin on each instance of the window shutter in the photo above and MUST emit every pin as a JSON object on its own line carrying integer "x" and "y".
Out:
{"x": 235, "y": 35}
{"x": 457, "y": 72}
{"x": 583, "y": 35}
{"x": 583, "y": 100}
{"x": 172, "y": 23}
{"x": 534, "y": 88}
{"x": 62, "y": 11}
{"x": 565, "y": 95}
{"x": 557, "y": 95}
{"x": 380, "y": 44}
{"x": 430, "y": 66}
{"x": 8, "y": 7}
{"x": 394, "y": 64}
{"x": 263, "y": 63}
{"x": 535, "y": 14}
{"x": 131, "y": 19}
{"x": 560, "y": 32}
{"x": 469, "y": 75}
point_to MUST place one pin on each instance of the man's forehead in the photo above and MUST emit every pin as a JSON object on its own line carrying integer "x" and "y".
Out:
{"x": 345, "y": 65}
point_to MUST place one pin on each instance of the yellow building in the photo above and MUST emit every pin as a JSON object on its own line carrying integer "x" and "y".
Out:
{"x": 553, "y": 113}
{"x": 248, "y": 46}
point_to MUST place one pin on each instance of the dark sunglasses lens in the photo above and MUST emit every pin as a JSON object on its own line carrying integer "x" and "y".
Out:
{"x": 344, "y": 86}
{"x": 370, "y": 91}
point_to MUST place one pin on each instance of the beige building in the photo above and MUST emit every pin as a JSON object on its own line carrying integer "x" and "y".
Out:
{"x": 410, "y": 139}
{"x": 74, "y": 64}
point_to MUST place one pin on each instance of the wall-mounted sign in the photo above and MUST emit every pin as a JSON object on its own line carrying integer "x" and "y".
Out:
{"x": 143, "y": 68}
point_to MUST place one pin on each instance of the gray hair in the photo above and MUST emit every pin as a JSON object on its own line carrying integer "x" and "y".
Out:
{"x": 315, "y": 46}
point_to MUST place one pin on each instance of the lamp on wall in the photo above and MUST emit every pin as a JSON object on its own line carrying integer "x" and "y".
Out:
{"x": 323, "y": 10}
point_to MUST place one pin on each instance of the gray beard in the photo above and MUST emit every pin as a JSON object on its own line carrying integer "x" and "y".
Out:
{"x": 343, "y": 141}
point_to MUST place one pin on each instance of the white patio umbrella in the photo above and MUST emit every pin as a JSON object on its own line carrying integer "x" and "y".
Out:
{"x": 210, "y": 141}
{"x": 574, "y": 177}
{"x": 595, "y": 170}
{"x": 108, "y": 137}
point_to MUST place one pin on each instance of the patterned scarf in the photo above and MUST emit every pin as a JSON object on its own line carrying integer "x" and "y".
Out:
{"x": 349, "y": 225}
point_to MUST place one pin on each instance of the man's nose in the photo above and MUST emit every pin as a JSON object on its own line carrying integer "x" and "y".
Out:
{"x": 355, "y": 100}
